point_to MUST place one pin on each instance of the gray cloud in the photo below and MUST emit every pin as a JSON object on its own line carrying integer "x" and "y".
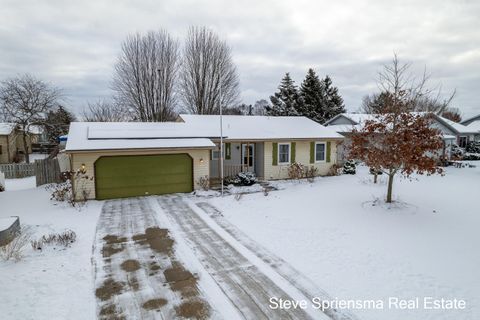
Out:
{"x": 74, "y": 44}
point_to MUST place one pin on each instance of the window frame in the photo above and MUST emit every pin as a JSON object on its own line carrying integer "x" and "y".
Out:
{"x": 289, "y": 153}
{"x": 324, "y": 151}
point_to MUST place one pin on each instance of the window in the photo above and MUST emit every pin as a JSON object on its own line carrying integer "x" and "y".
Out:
{"x": 216, "y": 152}
{"x": 462, "y": 143}
{"x": 284, "y": 153}
{"x": 320, "y": 151}
{"x": 1, "y": 149}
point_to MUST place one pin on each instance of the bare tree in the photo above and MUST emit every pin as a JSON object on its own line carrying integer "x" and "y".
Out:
{"x": 26, "y": 101}
{"x": 208, "y": 73}
{"x": 105, "y": 111}
{"x": 396, "y": 79}
{"x": 260, "y": 107}
{"x": 145, "y": 75}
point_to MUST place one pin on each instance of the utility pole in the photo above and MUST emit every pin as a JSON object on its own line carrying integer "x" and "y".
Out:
{"x": 221, "y": 135}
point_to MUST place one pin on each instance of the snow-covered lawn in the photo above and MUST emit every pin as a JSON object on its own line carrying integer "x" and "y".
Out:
{"x": 56, "y": 283}
{"x": 338, "y": 233}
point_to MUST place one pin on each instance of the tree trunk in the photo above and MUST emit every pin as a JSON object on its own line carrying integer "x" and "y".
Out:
{"x": 375, "y": 176}
{"x": 25, "y": 147}
{"x": 390, "y": 186}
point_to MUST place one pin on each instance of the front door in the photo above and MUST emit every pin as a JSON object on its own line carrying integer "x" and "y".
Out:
{"x": 248, "y": 157}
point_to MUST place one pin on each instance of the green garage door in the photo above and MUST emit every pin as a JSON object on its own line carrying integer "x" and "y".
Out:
{"x": 131, "y": 176}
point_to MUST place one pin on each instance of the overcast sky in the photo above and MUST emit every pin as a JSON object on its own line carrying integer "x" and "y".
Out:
{"x": 74, "y": 44}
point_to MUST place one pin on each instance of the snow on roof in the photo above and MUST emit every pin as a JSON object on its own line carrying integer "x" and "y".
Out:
{"x": 6, "y": 128}
{"x": 474, "y": 127}
{"x": 343, "y": 127}
{"x": 78, "y": 138}
{"x": 460, "y": 128}
{"x": 261, "y": 127}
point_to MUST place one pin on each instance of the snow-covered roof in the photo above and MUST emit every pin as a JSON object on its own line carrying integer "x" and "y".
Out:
{"x": 341, "y": 128}
{"x": 6, "y": 128}
{"x": 260, "y": 127}
{"x": 468, "y": 121}
{"x": 114, "y": 136}
{"x": 359, "y": 118}
{"x": 474, "y": 127}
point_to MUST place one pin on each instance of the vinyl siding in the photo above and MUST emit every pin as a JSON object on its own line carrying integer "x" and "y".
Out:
{"x": 302, "y": 156}
{"x": 77, "y": 159}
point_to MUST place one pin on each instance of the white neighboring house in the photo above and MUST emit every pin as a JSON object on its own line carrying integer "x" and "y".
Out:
{"x": 452, "y": 132}
{"x": 473, "y": 125}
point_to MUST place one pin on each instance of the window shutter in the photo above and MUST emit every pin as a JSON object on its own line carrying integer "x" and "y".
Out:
{"x": 274, "y": 153}
{"x": 312, "y": 152}
{"x": 328, "y": 150}
{"x": 293, "y": 152}
{"x": 228, "y": 149}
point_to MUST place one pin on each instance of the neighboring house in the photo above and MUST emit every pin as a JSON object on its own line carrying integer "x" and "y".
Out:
{"x": 11, "y": 143}
{"x": 452, "y": 132}
{"x": 136, "y": 159}
{"x": 473, "y": 125}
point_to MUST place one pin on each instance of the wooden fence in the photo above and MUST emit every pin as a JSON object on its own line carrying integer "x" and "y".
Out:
{"x": 17, "y": 170}
{"x": 47, "y": 171}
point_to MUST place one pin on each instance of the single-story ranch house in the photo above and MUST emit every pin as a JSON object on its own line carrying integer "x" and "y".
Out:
{"x": 137, "y": 159}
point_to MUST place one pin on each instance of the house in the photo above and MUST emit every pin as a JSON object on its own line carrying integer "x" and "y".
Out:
{"x": 473, "y": 126}
{"x": 452, "y": 132}
{"x": 136, "y": 159}
{"x": 11, "y": 143}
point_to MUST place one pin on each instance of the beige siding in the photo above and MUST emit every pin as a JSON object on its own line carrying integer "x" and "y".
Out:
{"x": 302, "y": 156}
{"x": 200, "y": 168}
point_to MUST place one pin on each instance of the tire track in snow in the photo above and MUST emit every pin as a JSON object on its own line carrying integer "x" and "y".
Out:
{"x": 284, "y": 269}
{"x": 242, "y": 282}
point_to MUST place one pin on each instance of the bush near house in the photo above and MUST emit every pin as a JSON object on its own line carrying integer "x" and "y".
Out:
{"x": 241, "y": 179}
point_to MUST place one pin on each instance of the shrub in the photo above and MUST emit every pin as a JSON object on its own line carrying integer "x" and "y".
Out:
{"x": 349, "y": 167}
{"x": 473, "y": 147}
{"x": 457, "y": 152}
{"x": 296, "y": 171}
{"x": 377, "y": 172}
{"x": 241, "y": 179}
{"x": 471, "y": 156}
{"x": 204, "y": 182}
{"x": 64, "y": 239}
{"x": 311, "y": 172}
{"x": 14, "y": 249}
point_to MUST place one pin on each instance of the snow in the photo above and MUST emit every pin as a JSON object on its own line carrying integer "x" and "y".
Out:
{"x": 55, "y": 283}
{"x": 6, "y": 128}
{"x": 79, "y": 133}
{"x": 338, "y": 233}
{"x": 20, "y": 184}
{"x": 474, "y": 127}
{"x": 261, "y": 127}
{"x": 6, "y": 222}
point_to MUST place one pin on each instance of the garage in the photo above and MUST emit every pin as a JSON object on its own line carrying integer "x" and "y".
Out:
{"x": 141, "y": 175}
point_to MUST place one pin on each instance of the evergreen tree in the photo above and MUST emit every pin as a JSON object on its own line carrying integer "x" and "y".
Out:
{"x": 57, "y": 123}
{"x": 286, "y": 101}
{"x": 333, "y": 101}
{"x": 312, "y": 93}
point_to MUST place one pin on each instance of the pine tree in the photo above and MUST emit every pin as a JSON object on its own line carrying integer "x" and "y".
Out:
{"x": 284, "y": 102}
{"x": 312, "y": 93}
{"x": 57, "y": 123}
{"x": 333, "y": 101}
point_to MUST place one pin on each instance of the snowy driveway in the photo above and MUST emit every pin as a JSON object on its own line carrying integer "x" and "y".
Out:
{"x": 237, "y": 266}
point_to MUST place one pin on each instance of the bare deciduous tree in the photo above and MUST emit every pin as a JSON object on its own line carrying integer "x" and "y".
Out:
{"x": 395, "y": 79}
{"x": 208, "y": 76}
{"x": 104, "y": 111}
{"x": 145, "y": 75}
{"x": 26, "y": 101}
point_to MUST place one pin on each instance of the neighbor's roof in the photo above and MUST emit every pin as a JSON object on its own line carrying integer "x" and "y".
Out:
{"x": 85, "y": 136}
{"x": 260, "y": 127}
{"x": 6, "y": 128}
{"x": 474, "y": 126}
{"x": 359, "y": 118}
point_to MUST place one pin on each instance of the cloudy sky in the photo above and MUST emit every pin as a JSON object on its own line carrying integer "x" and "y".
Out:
{"x": 74, "y": 44}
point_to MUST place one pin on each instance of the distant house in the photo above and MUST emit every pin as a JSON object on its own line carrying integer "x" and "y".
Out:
{"x": 452, "y": 132}
{"x": 473, "y": 125}
{"x": 11, "y": 143}
{"x": 136, "y": 159}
